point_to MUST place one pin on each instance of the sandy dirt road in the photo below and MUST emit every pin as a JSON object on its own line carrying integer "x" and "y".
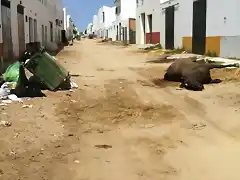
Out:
{"x": 123, "y": 123}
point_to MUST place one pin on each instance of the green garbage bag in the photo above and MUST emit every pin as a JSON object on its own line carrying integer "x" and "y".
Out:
{"x": 12, "y": 72}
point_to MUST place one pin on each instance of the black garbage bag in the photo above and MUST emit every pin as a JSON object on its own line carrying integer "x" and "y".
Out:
{"x": 24, "y": 88}
{"x": 2, "y": 81}
{"x": 35, "y": 81}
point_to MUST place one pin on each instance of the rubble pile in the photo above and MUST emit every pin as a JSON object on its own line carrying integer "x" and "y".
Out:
{"x": 46, "y": 73}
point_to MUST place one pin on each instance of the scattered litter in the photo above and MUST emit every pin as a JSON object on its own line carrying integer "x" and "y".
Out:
{"x": 103, "y": 146}
{"x": 73, "y": 85}
{"x": 199, "y": 126}
{"x": 1, "y": 172}
{"x": 12, "y": 153}
{"x": 3, "y": 93}
{"x": 10, "y": 85}
{"x": 3, "y": 104}
{"x": 178, "y": 88}
{"x": 75, "y": 75}
{"x": 148, "y": 125}
{"x": 5, "y": 123}
{"x": 77, "y": 161}
{"x": 73, "y": 101}
{"x": 6, "y": 101}
{"x": 16, "y": 135}
{"x": 27, "y": 106}
{"x": 13, "y": 97}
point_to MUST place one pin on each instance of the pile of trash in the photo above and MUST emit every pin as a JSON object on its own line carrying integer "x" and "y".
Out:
{"x": 46, "y": 74}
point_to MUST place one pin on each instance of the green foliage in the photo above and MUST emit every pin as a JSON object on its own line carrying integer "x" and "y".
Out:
{"x": 175, "y": 51}
{"x": 154, "y": 47}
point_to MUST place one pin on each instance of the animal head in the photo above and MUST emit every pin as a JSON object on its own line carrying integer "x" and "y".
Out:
{"x": 192, "y": 84}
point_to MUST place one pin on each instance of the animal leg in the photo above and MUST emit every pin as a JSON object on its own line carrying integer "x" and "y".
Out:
{"x": 212, "y": 66}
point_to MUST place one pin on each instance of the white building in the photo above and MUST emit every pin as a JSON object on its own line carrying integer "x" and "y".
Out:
{"x": 95, "y": 24}
{"x": 29, "y": 21}
{"x": 200, "y": 26}
{"x": 42, "y": 21}
{"x": 148, "y": 22}
{"x": 125, "y": 19}
{"x": 105, "y": 17}
{"x": 90, "y": 29}
{"x": 68, "y": 25}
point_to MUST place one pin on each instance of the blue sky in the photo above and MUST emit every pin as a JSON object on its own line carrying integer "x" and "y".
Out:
{"x": 82, "y": 11}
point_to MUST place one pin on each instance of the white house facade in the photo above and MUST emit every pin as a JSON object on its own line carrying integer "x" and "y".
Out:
{"x": 148, "y": 23}
{"x": 125, "y": 11}
{"x": 106, "y": 15}
{"x": 199, "y": 26}
{"x": 90, "y": 29}
{"x": 95, "y": 24}
{"x": 68, "y": 25}
{"x": 26, "y": 21}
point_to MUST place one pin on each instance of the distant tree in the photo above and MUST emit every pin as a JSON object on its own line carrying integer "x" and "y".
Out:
{"x": 75, "y": 32}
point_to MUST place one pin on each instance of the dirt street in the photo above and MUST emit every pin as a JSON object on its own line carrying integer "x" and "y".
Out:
{"x": 124, "y": 122}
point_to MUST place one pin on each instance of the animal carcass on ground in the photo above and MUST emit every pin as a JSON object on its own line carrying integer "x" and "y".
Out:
{"x": 192, "y": 75}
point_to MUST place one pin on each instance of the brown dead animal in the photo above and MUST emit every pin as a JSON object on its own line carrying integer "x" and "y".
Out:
{"x": 193, "y": 75}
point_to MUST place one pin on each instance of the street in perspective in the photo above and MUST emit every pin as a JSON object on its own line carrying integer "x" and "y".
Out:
{"x": 147, "y": 90}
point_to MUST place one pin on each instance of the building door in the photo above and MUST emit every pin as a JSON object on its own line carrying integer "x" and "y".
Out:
{"x": 199, "y": 26}
{"x": 117, "y": 34}
{"x": 6, "y": 30}
{"x": 120, "y": 31}
{"x": 125, "y": 35}
{"x": 35, "y": 30}
{"x": 132, "y": 31}
{"x": 43, "y": 36}
{"x": 31, "y": 34}
{"x": 51, "y": 31}
{"x": 21, "y": 32}
{"x": 169, "y": 27}
{"x": 143, "y": 34}
{"x": 150, "y": 28}
{"x": 46, "y": 37}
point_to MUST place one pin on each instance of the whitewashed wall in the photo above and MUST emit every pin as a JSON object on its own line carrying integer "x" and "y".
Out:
{"x": 43, "y": 13}
{"x": 109, "y": 18}
{"x": 148, "y": 7}
{"x": 128, "y": 10}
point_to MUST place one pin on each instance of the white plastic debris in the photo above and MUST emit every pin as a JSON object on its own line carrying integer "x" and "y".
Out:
{"x": 6, "y": 101}
{"x": 9, "y": 85}
{"x": 13, "y": 97}
{"x": 27, "y": 106}
{"x": 5, "y": 123}
{"x": 3, "y": 93}
{"x": 73, "y": 85}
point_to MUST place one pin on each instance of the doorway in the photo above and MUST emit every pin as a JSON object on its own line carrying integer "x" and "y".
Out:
{"x": 120, "y": 31}
{"x": 199, "y": 27}
{"x": 117, "y": 34}
{"x": 31, "y": 39}
{"x": 143, "y": 34}
{"x": 46, "y": 37}
{"x": 150, "y": 28}
{"x": 21, "y": 32}
{"x": 6, "y": 30}
{"x": 169, "y": 27}
{"x": 35, "y": 30}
